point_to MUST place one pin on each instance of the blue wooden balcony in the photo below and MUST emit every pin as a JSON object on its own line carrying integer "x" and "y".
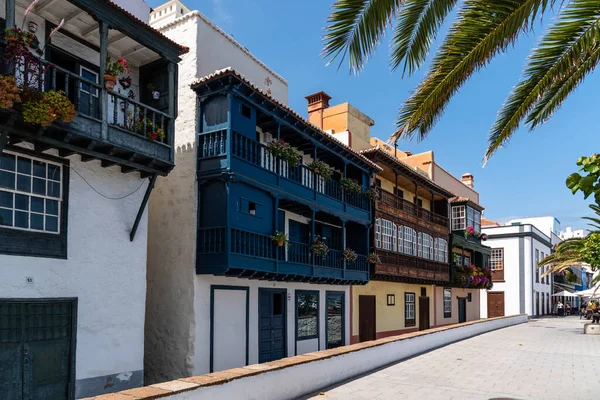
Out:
{"x": 242, "y": 253}
{"x": 250, "y": 159}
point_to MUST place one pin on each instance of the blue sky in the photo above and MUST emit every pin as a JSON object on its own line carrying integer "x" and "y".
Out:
{"x": 526, "y": 179}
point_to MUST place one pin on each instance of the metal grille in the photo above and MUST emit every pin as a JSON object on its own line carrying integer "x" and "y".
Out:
{"x": 48, "y": 321}
{"x": 10, "y": 323}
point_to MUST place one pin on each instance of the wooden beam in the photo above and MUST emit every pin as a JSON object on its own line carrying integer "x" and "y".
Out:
{"x": 89, "y": 30}
{"x": 65, "y": 153}
{"x": 42, "y": 4}
{"x": 3, "y": 139}
{"x": 86, "y": 158}
{"x": 116, "y": 38}
{"x": 73, "y": 15}
{"x": 142, "y": 207}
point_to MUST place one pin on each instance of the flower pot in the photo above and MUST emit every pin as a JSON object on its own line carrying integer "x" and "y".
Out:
{"x": 280, "y": 243}
{"x": 33, "y": 26}
{"x": 155, "y": 94}
{"x": 109, "y": 82}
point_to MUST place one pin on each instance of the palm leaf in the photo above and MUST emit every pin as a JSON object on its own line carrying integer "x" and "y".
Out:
{"x": 482, "y": 30}
{"x": 355, "y": 27}
{"x": 563, "y": 58}
{"x": 418, "y": 23}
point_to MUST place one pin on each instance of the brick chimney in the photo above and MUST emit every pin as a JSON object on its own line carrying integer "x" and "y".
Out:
{"x": 316, "y": 104}
{"x": 468, "y": 180}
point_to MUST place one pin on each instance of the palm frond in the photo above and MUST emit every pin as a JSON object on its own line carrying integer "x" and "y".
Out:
{"x": 482, "y": 30}
{"x": 417, "y": 25}
{"x": 596, "y": 221}
{"x": 565, "y": 55}
{"x": 354, "y": 29}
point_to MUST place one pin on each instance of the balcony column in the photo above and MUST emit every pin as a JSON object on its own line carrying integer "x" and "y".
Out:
{"x": 103, "y": 28}
{"x": 344, "y": 245}
{"x": 315, "y": 177}
{"x": 278, "y": 162}
{"x": 397, "y": 200}
{"x": 416, "y": 188}
{"x": 278, "y": 254}
{"x": 9, "y": 13}
{"x": 345, "y": 200}
{"x": 172, "y": 72}
{"x": 431, "y": 206}
{"x": 314, "y": 235}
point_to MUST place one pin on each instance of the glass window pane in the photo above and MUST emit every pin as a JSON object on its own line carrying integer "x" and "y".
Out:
{"x": 37, "y": 221}
{"x": 52, "y": 207}
{"x": 6, "y": 199}
{"x": 21, "y": 219}
{"x": 6, "y": 217}
{"x": 7, "y": 180}
{"x": 51, "y": 224}
{"x": 39, "y": 186}
{"x": 21, "y": 202}
{"x": 53, "y": 189}
{"x": 7, "y": 162}
{"x": 37, "y": 204}
{"x": 24, "y": 165}
{"x": 307, "y": 313}
{"x": 39, "y": 169}
{"x": 24, "y": 183}
{"x": 53, "y": 172}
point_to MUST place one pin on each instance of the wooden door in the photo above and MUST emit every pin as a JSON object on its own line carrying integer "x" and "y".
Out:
{"x": 495, "y": 304}
{"x": 36, "y": 357}
{"x": 366, "y": 318}
{"x": 298, "y": 232}
{"x": 271, "y": 329}
{"x": 462, "y": 310}
{"x": 423, "y": 313}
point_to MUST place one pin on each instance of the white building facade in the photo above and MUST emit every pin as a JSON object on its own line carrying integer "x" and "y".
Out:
{"x": 569, "y": 233}
{"x": 200, "y": 323}
{"x": 519, "y": 287}
{"x": 73, "y": 221}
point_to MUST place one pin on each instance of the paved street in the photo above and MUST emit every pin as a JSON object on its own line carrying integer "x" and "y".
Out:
{"x": 544, "y": 359}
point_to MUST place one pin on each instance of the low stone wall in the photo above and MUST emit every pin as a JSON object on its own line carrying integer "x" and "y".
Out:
{"x": 292, "y": 377}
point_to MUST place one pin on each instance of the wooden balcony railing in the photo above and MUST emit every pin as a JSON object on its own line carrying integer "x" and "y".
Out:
{"x": 399, "y": 204}
{"x": 214, "y": 241}
{"x": 403, "y": 265}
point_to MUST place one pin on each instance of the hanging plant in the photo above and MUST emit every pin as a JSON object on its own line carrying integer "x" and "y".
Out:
{"x": 155, "y": 93}
{"x": 351, "y": 186}
{"x": 321, "y": 169}
{"x": 45, "y": 108}
{"x": 371, "y": 194}
{"x": 470, "y": 231}
{"x": 281, "y": 239}
{"x": 125, "y": 82}
{"x": 9, "y": 92}
{"x": 373, "y": 258}
{"x": 349, "y": 254}
{"x": 280, "y": 149}
{"x": 319, "y": 248}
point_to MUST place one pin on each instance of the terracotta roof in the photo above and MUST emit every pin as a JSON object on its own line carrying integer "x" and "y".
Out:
{"x": 488, "y": 222}
{"x": 231, "y": 71}
{"x": 377, "y": 150}
{"x": 465, "y": 200}
{"x": 225, "y": 34}
{"x": 182, "y": 49}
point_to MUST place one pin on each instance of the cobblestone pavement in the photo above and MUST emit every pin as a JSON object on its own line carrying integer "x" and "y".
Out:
{"x": 548, "y": 358}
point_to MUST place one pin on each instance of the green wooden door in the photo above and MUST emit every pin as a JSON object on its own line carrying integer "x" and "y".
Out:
{"x": 35, "y": 349}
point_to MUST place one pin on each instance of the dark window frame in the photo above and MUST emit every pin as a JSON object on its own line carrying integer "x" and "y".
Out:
{"x": 391, "y": 299}
{"x": 413, "y": 321}
{"x": 305, "y": 292}
{"x": 447, "y": 314}
{"x": 17, "y": 242}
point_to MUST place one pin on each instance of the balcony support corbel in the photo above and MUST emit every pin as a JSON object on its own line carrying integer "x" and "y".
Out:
{"x": 142, "y": 207}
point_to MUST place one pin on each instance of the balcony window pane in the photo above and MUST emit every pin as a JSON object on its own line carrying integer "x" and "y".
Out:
{"x": 6, "y": 199}
{"x": 458, "y": 218}
{"x": 51, "y": 224}
{"x": 23, "y": 183}
{"x": 39, "y": 186}
{"x": 24, "y": 165}
{"x": 37, "y": 205}
{"x": 6, "y": 217}
{"x": 307, "y": 311}
{"x": 37, "y": 222}
{"x": 39, "y": 169}
{"x": 21, "y": 219}
{"x": 7, "y": 162}
{"x": 7, "y": 180}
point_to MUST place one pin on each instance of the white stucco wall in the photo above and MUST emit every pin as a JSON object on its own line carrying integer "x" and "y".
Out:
{"x": 217, "y": 50}
{"x": 202, "y": 284}
{"x": 103, "y": 270}
{"x": 139, "y": 8}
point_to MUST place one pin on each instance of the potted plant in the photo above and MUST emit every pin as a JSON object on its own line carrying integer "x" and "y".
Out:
{"x": 113, "y": 70}
{"x": 351, "y": 186}
{"x": 320, "y": 169}
{"x": 9, "y": 92}
{"x": 371, "y": 194}
{"x": 279, "y": 148}
{"x": 125, "y": 82}
{"x": 349, "y": 254}
{"x": 280, "y": 238}
{"x": 373, "y": 258}
{"x": 483, "y": 237}
{"x": 43, "y": 108}
{"x": 319, "y": 248}
{"x": 157, "y": 134}
{"x": 155, "y": 93}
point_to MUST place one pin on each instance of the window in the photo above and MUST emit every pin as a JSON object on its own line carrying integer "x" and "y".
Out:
{"x": 431, "y": 257}
{"x": 400, "y": 240}
{"x": 391, "y": 299}
{"x": 409, "y": 309}
{"x": 497, "y": 260}
{"x": 307, "y": 314}
{"x": 537, "y": 270}
{"x": 246, "y": 111}
{"x": 425, "y": 245}
{"x": 388, "y": 235}
{"x": 442, "y": 250}
{"x": 90, "y": 76}
{"x": 378, "y": 233}
{"x": 543, "y": 270}
{"x": 466, "y": 261}
{"x": 30, "y": 193}
{"x": 420, "y": 245}
{"x": 477, "y": 220}
{"x": 249, "y": 207}
{"x": 410, "y": 237}
{"x": 447, "y": 303}
{"x": 458, "y": 218}
{"x": 394, "y": 237}
{"x": 457, "y": 258}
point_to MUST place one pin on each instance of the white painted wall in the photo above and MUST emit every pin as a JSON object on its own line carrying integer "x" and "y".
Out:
{"x": 217, "y": 50}
{"x": 202, "y": 284}
{"x": 299, "y": 380}
{"x": 230, "y": 326}
{"x": 139, "y": 8}
{"x": 103, "y": 269}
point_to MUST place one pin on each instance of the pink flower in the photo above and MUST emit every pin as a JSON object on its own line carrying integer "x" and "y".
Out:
{"x": 470, "y": 230}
